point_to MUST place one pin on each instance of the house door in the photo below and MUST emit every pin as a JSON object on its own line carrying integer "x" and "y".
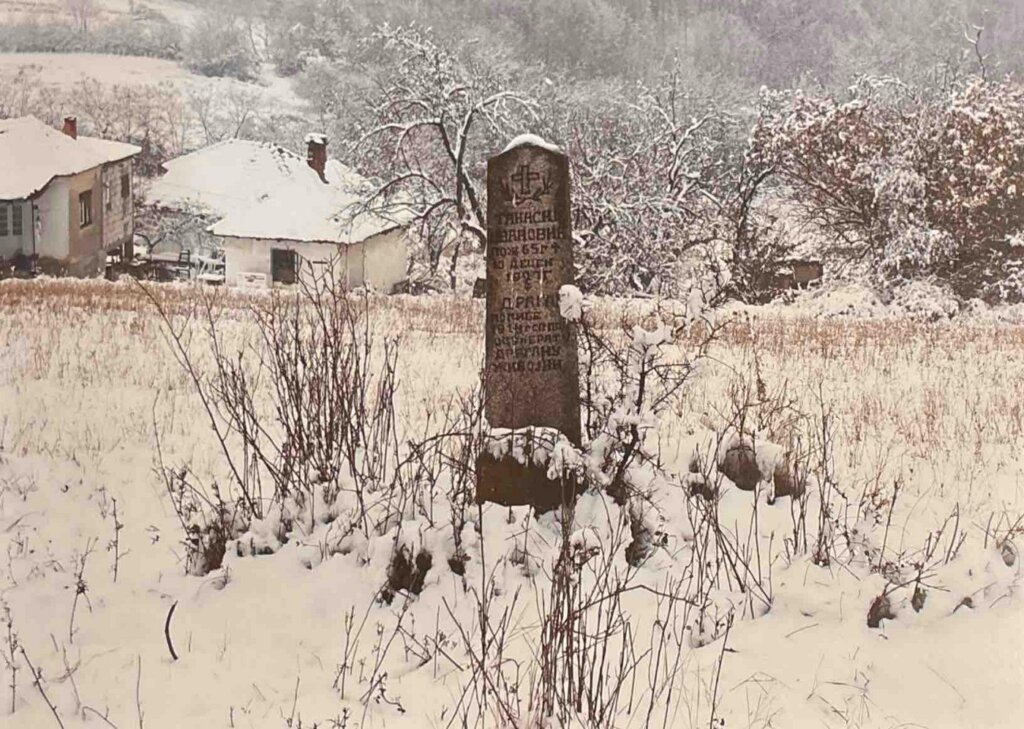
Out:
{"x": 283, "y": 265}
{"x": 356, "y": 266}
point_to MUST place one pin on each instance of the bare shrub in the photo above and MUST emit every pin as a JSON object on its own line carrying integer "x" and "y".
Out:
{"x": 306, "y": 410}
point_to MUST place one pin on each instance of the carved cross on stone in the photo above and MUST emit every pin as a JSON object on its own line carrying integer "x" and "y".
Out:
{"x": 523, "y": 177}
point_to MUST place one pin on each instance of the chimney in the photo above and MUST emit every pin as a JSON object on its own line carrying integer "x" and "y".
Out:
{"x": 71, "y": 126}
{"x": 316, "y": 154}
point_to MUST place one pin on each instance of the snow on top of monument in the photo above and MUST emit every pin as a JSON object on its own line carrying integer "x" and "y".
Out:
{"x": 528, "y": 140}
{"x": 260, "y": 190}
{"x": 571, "y": 302}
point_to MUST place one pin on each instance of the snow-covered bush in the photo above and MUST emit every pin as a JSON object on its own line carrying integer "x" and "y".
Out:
{"x": 150, "y": 36}
{"x": 217, "y": 46}
{"x": 916, "y": 184}
{"x": 925, "y": 300}
{"x": 971, "y": 153}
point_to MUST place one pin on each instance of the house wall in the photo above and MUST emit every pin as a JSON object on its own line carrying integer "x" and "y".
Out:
{"x": 86, "y": 253}
{"x": 52, "y": 227}
{"x": 806, "y": 272}
{"x": 11, "y": 244}
{"x": 64, "y": 246}
{"x": 379, "y": 262}
{"x": 252, "y": 256}
{"x": 386, "y": 260}
{"x": 118, "y": 211}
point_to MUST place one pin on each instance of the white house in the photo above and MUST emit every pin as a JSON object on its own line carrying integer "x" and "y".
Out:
{"x": 279, "y": 216}
{"x": 65, "y": 200}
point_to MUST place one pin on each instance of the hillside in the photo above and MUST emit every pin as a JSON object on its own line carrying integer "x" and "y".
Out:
{"x": 56, "y": 11}
{"x": 65, "y": 71}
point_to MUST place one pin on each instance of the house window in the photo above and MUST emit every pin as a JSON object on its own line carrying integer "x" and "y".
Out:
{"x": 16, "y": 223}
{"x": 85, "y": 209}
{"x": 106, "y": 196}
{"x": 126, "y": 185}
{"x": 3, "y": 220}
{"x": 283, "y": 264}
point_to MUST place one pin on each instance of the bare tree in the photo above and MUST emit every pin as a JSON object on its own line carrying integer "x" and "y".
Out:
{"x": 973, "y": 38}
{"x": 653, "y": 172}
{"x": 82, "y": 11}
{"x": 435, "y": 115}
{"x": 224, "y": 115}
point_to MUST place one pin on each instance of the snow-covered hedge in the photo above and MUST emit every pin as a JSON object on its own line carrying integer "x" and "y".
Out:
{"x": 919, "y": 184}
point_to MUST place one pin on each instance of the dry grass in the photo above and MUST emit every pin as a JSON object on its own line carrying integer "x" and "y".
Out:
{"x": 946, "y": 396}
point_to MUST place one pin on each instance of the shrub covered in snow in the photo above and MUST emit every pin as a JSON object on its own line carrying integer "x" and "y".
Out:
{"x": 925, "y": 300}
{"x": 217, "y": 46}
{"x": 150, "y": 36}
{"x": 918, "y": 185}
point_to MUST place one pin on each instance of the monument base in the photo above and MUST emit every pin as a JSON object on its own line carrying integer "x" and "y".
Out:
{"x": 508, "y": 482}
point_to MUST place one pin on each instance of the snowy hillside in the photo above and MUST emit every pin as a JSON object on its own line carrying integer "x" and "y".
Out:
{"x": 180, "y": 11}
{"x": 64, "y": 71}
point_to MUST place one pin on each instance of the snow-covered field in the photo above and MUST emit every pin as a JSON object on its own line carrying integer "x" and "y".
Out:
{"x": 926, "y": 423}
{"x": 13, "y": 11}
{"x": 64, "y": 71}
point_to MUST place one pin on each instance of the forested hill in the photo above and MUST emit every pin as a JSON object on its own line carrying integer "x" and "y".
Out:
{"x": 748, "y": 42}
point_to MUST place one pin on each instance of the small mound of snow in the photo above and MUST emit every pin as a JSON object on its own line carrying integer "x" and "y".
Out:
{"x": 571, "y": 303}
{"x": 854, "y": 300}
{"x": 922, "y": 300}
{"x": 925, "y": 300}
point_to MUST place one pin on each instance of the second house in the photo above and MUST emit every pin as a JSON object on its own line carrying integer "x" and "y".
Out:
{"x": 280, "y": 217}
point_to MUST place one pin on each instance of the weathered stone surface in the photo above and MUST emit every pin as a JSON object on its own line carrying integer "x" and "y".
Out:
{"x": 739, "y": 464}
{"x": 881, "y": 609}
{"x": 531, "y": 374}
{"x": 787, "y": 481}
{"x": 508, "y": 482}
{"x": 531, "y": 371}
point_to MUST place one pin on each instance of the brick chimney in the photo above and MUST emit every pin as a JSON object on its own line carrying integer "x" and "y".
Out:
{"x": 71, "y": 126}
{"x": 316, "y": 154}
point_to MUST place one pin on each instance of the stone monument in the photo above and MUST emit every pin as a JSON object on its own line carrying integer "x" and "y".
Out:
{"x": 531, "y": 372}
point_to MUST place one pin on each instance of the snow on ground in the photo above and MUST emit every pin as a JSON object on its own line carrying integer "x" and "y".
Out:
{"x": 66, "y": 70}
{"x": 919, "y": 300}
{"x": 179, "y": 11}
{"x": 269, "y": 641}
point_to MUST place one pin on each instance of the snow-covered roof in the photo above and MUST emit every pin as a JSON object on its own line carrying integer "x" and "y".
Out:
{"x": 259, "y": 190}
{"x": 32, "y": 154}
